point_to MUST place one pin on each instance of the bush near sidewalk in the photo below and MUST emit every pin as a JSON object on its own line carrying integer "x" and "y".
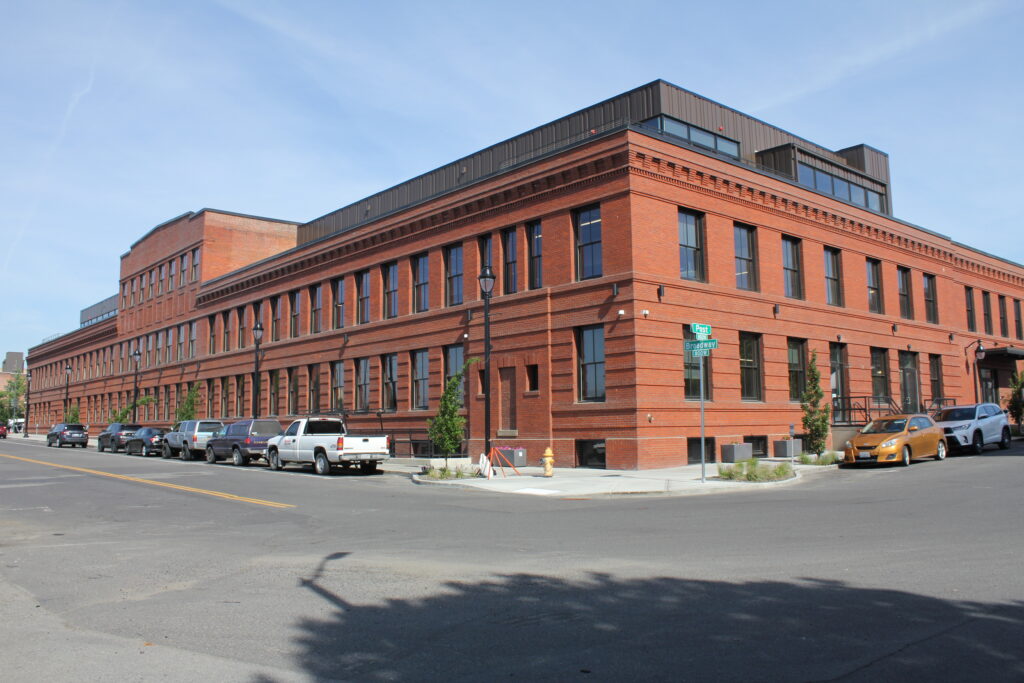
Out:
{"x": 754, "y": 470}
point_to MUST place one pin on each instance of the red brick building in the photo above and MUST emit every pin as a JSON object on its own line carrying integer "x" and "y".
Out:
{"x": 610, "y": 231}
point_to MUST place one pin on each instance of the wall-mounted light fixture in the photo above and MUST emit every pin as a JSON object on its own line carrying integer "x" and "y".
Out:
{"x": 469, "y": 315}
{"x": 622, "y": 312}
{"x": 895, "y": 328}
{"x": 661, "y": 292}
{"x": 645, "y": 312}
{"x": 839, "y": 337}
{"x": 951, "y": 337}
{"x": 615, "y": 289}
{"x": 776, "y": 309}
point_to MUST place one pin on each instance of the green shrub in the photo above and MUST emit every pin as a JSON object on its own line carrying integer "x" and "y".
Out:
{"x": 826, "y": 458}
{"x": 754, "y": 470}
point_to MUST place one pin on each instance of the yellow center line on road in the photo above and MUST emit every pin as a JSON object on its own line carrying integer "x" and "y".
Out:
{"x": 177, "y": 487}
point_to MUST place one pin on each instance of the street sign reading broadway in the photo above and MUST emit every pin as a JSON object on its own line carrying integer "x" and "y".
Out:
{"x": 700, "y": 328}
{"x": 700, "y": 345}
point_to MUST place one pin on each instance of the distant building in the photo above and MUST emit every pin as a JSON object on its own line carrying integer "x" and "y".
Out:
{"x": 14, "y": 361}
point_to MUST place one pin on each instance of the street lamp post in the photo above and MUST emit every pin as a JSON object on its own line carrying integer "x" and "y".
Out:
{"x": 257, "y": 337}
{"x": 136, "y": 356}
{"x": 67, "y": 388}
{"x": 486, "y": 279}
{"x": 979, "y": 355}
{"x": 28, "y": 399}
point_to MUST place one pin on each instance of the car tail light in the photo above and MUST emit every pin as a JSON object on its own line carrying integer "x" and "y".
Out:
{"x": 341, "y": 443}
{"x": 195, "y": 438}
{"x": 153, "y": 440}
{"x": 64, "y": 432}
{"x": 248, "y": 440}
{"x": 387, "y": 441}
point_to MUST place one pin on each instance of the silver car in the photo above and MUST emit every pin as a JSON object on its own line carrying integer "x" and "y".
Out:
{"x": 971, "y": 427}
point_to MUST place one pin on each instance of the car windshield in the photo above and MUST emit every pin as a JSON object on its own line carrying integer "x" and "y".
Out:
{"x": 323, "y": 427}
{"x": 885, "y": 426}
{"x": 955, "y": 414}
{"x": 126, "y": 427}
{"x": 209, "y": 427}
{"x": 76, "y": 428}
{"x": 265, "y": 428}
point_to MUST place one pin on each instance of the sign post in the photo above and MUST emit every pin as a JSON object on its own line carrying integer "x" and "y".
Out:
{"x": 700, "y": 348}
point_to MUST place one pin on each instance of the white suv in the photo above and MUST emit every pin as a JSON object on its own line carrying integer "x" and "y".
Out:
{"x": 973, "y": 426}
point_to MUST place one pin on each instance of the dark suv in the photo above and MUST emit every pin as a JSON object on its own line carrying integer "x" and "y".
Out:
{"x": 115, "y": 436}
{"x": 244, "y": 440}
{"x": 68, "y": 433}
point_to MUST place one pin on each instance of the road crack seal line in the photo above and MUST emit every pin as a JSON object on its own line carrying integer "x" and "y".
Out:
{"x": 176, "y": 487}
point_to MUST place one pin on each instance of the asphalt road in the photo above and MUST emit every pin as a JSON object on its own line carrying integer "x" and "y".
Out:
{"x": 235, "y": 574}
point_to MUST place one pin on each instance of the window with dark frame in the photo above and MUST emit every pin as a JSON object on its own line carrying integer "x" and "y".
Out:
{"x": 389, "y": 382}
{"x": 362, "y": 297}
{"x": 420, "y": 379}
{"x": 880, "y": 386}
{"x": 362, "y": 392}
{"x": 338, "y": 287}
{"x": 389, "y": 282}
{"x": 903, "y": 285}
{"x": 293, "y": 391}
{"x": 241, "y": 313}
{"x": 935, "y": 376}
{"x": 792, "y": 267}
{"x": 510, "y": 275}
{"x": 193, "y": 329}
{"x": 295, "y": 309}
{"x": 590, "y": 366}
{"x": 211, "y": 341}
{"x": 313, "y": 392}
{"x": 532, "y": 377}
{"x": 183, "y": 272}
{"x": 745, "y": 243}
{"x": 833, "y": 277}
{"x": 986, "y": 311}
{"x": 1004, "y": 325}
{"x": 1018, "y": 323}
{"x": 316, "y": 308}
{"x": 931, "y": 298}
{"x": 273, "y": 389}
{"x": 692, "y": 371}
{"x": 195, "y": 265}
{"x": 420, "y": 283}
{"x": 751, "y": 381}
{"x": 453, "y": 275}
{"x": 796, "y": 356}
{"x": 691, "y": 245}
{"x": 876, "y": 303}
{"x": 454, "y": 359}
{"x": 972, "y": 323}
{"x": 225, "y": 331}
{"x": 535, "y": 248}
{"x": 587, "y": 231}
{"x": 338, "y": 385}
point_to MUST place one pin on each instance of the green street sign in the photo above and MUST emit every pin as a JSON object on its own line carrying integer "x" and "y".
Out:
{"x": 700, "y": 328}
{"x": 700, "y": 345}
{"x": 701, "y": 337}
{"x": 700, "y": 352}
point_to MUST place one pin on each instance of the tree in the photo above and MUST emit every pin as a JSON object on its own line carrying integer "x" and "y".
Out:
{"x": 447, "y": 428}
{"x": 126, "y": 412}
{"x": 12, "y": 398}
{"x": 187, "y": 407}
{"x": 1015, "y": 401}
{"x": 816, "y": 416}
{"x": 71, "y": 414}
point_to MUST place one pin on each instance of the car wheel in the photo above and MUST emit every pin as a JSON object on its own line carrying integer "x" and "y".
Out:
{"x": 165, "y": 452}
{"x": 906, "y": 456}
{"x": 211, "y": 457}
{"x": 368, "y": 467}
{"x": 940, "y": 451}
{"x": 1004, "y": 441}
{"x": 977, "y": 443}
{"x": 186, "y": 453}
{"x": 274, "y": 460}
{"x": 99, "y": 445}
{"x": 114, "y": 447}
{"x": 321, "y": 464}
{"x": 237, "y": 459}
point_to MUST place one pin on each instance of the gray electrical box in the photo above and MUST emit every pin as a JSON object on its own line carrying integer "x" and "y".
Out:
{"x": 515, "y": 456}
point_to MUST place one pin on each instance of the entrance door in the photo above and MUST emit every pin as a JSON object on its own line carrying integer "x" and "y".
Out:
{"x": 507, "y": 413}
{"x": 910, "y": 382}
{"x": 838, "y": 377}
{"x": 989, "y": 392}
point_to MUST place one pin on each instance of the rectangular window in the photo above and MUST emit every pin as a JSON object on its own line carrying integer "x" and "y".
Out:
{"x": 316, "y": 308}
{"x": 273, "y": 391}
{"x": 986, "y": 311}
{"x": 833, "y": 277}
{"x": 691, "y": 245}
{"x": 420, "y": 379}
{"x": 211, "y": 341}
{"x": 149, "y": 350}
{"x": 484, "y": 247}
{"x": 338, "y": 287}
{"x": 295, "y": 309}
{"x": 142, "y": 288}
{"x": 1017, "y": 322}
{"x": 903, "y": 284}
{"x": 750, "y": 367}
{"x": 876, "y": 304}
{"x": 587, "y": 230}
{"x": 313, "y": 393}
{"x": 276, "y": 311}
{"x": 454, "y": 358}
{"x": 184, "y": 270}
{"x": 511, "y": 272}
{"x": 172, "y": 273}
{"x": 535, "y": 248}
{"x": 362, "y": 297}
{"x": 293, "y": 391}
{"x": 532, "y": 377}
{"x": 362, "y": 395}
{"x": 192, "y": 329}
{"x": 224, "y": 393}
{"x": 389, "y": 280}
{"x": 420, "y": 283}
{"x": 972, "y": 323}
{"x": 590, "y": 352}
{"x": 182, "y": 331}
{"x": 160, "y": 346}
{"x": 880, "y": 373}
{"x": 931, "y": 299}
{"x": 692, "y": 372}
{"x": 389, "y": 382}
{"x": 792, "y": 268}
{"x": 935, "y": 377}
{"x": 135, "y": 286}
{"x": 225, "y": 331}
{"x": 163, "y": 278}
{"x": 338, "y": 385}
{"x": 239, "y": 394}
{"x": 1004, "y": 325}
{"x": 745, "y": 242}
{"x": 453, "y": 275}
{"x": 241, "y": 315}
{"x": 195, "y": 265}
{"x": 209, "y": 398}
{"x": 796, "y": 355}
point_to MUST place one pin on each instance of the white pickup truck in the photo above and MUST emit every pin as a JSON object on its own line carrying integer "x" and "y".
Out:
{"x": 324, "y": 442}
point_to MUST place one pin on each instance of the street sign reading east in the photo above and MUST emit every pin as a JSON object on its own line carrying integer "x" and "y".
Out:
{"x": 700, "y": 345}
{"x": 700, "y": 328}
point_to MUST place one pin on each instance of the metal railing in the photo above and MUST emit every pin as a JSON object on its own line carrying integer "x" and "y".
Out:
{"x": 937, "y": 404}
{"x": 854, "y": 410}
{"x": 417, "y": 444}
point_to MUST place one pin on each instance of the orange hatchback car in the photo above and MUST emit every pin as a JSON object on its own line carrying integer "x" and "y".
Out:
{"x": 897, "y": 438}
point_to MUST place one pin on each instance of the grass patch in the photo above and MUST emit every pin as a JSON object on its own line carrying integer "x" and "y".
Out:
{"x": 449, "y": 473}
{"x": 826, "y": 458}
{"x": 754, "y": 470}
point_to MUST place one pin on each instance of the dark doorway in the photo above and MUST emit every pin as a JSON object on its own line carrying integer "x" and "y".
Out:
{"x": 590, "y": 453}
{"x": 693, "y": 450}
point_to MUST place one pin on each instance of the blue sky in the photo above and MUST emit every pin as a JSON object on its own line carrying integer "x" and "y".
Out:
{"x": 115, "y": 116}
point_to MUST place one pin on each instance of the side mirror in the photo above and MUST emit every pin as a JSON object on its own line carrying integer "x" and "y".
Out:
{"x": 913, "y": 428}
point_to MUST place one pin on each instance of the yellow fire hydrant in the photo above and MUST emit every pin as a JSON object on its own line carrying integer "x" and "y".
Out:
{"x": 549, "y": 462}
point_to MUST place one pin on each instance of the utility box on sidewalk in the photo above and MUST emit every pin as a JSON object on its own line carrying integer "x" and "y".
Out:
{"x": 787, "y": 448}
{"x": 737, "y": 452}
{"x": 516, "y": 456}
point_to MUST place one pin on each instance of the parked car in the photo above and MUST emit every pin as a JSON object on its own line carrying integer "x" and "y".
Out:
{"x": 146, "y": 441}
{"x": 68, "y": 433}
{"x": 243, "y": 441}
{"x": 115, "y": 436}
{"x": 3, "y": 431}
{"x": 972, "y": 426}
{"x": 325, "y": 442}
{"x": 188, "y": 438}
{"x": 897, "y": 438}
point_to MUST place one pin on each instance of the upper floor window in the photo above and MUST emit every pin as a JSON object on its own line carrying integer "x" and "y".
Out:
{"x": 691, "y": 245}
{"x": 241, "y": 315}
{"x": 694, "y": 135}
{"x": 316, "y": 308}
{"x": 827, "y": 183}
{"x": 1004, "y": 326}
{"x": 225, "y": 319}
{"x": 295, "y": 310}
{"x": 750, "y": 367}
{"x": 142, "y": 288}
{"x": 535, "y": 250}
{"x": 511, "y": 269}
{"x": 986, "y": 311}
{"x": 880, "y": 372}
{"x": 362, "y": 392}
{"x": 192, "y": 330}
{"x": 796, "y": 354}
{"x": 792, "y": 268}
{"x": 454, "y": 359}
{"x": 972, "y": 323}
{"x": 587, "y": 228}
{"x": 590, "y": 366}
{"x": 420, "y": 283}
{"x": 389, "y": 279}
{"x": 276, "y": 313}
{"x": 163, "y": 278}
{"x": 420, "y": 379}
{"x": 184, "y": 270}
{"x": 453, "y": 275}
{"x": 903, "y": 285}
{"x": 745, "y": 242}
{"x": 1018, "y": 323}
{"x": 135, "y": 287}
{"x": 339, "y": 302}
{"x": 362, "y": 297}
{"x": 833, "y": 277}
{"x": 931, "y": 299}
{"x": 874, "y": 279}
{"x": 173, "y": 271}
{"x": 195, "y": 265}
{"x": 338, "y": 385}
{"x": 211, "y": 338}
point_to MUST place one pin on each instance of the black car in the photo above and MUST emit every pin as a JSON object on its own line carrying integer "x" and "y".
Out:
{"x": 146, "y": 441}
{"x": 68, "y": 433}
{"x": 243, "y": 441}
{"x": 115, "y": 436}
